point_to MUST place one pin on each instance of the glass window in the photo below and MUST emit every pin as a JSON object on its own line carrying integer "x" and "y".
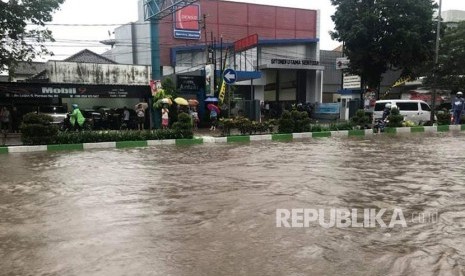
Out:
{"x": 380, "y": 106}
{"x": 407, "y": 106}
{"x": 425, "y": 107}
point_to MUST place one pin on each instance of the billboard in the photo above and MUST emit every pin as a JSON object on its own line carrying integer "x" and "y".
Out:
{"x": 186, "y": 22}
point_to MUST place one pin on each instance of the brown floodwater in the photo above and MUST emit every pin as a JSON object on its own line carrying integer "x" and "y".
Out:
{"x": 211, "y": 209}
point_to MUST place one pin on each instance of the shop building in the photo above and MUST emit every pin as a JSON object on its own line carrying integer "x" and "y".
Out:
{"x": 83, "y": 82}
{"x": 281, "y": 67}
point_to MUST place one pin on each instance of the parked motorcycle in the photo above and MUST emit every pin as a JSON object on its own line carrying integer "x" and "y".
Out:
{"x": 380, "y": 125}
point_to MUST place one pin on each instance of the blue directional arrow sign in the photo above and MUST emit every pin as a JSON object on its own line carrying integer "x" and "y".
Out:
{"x": 229, "y": 76}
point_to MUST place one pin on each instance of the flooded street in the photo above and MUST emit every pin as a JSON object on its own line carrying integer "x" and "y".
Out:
{"x": 211, "y": 209}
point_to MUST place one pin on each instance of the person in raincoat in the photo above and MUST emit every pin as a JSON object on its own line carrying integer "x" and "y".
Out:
{"x": 458, "y": 107}
{"x": 76, "y": 119}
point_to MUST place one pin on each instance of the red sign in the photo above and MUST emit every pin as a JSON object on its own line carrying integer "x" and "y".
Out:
{"x": 187, "y": 18}
{"x": 246, "y": 43}
{"x": 426, "y": 97}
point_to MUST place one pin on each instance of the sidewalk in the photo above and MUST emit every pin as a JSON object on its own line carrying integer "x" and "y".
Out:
{"x": 207, "y": 132}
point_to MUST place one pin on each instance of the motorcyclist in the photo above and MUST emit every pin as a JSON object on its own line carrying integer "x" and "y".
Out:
{"x": 381, "y": 123}
{"x": 386, "y": 112}
{"x": 76, "y": 118}
{"x": 458, "y": 106}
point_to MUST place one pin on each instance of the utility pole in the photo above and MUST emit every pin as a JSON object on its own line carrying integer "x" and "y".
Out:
{"x": 436, "y": 65}
{"x": 204, "y": 27}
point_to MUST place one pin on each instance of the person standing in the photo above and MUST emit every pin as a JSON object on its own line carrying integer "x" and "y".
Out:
{"x": 458, "y": 106}
{"x": 213, "y": 118}
{"x": 5, "y": 118}
{"x": 76, "y": 119}
{"x": 140, "y": 111}
{"x": 126, "y": 116}
{"x": 165, "y": 119}
{"x": 14, "y": 120}
{"x": 195, "y": 117}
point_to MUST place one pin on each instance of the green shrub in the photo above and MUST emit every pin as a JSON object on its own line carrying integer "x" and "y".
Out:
{"x": 226, "y": 124}
{"x": 361, "y": 119}
{"x": 341, "y": 126}
{"x": 37, "y": 129}
{"x": 244, "y": 125}
{"x": 184, "y": 122}
{"x": 444, "y": 117}
{"x": 41, "y": 119}
{"x": 395, "y": 119}
{"x": 118, "y": 136}
{"x": 286, "y": 123}
{"x": 318, "y": 128}
{"x": 301, "y": 121}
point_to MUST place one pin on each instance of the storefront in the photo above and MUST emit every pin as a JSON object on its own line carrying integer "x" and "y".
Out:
{"x": 28, "y": 97}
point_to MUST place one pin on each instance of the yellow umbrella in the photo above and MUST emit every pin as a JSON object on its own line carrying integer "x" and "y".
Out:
{"x": 181, "y": 101}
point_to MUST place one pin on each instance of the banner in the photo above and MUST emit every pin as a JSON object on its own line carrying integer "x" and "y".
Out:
{"x": 222, "y": 91}
{"x": 155, "y": 86}
{"x": 209, "y": 85}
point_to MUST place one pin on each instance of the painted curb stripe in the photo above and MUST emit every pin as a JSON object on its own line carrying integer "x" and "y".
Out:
{"x": 230, "y": 139}
{"x": 431, "y": 129}
{"x": 238, "y": 139}
{"x": 455, "y": 127}
{"x": 282, "y": 137}
{"x": 340, "y": 133}
{"x": 402, "y": 130}
{"x": 261, "y": 137}
{"x": 65, "y": 147}
{"x": 390, "y": 130}
{"x": 189, "y": 142}
{"x": 221, "y": 140}
{"x": 131, "y": 144}
{"x": 357, "y": 133}
{"x": 322, "y": 134}
{"x": 101, "y": 145}
{"x": 417, "y": 129}
{"x": 443, "y": 128}
{"x": 25, "y": 149}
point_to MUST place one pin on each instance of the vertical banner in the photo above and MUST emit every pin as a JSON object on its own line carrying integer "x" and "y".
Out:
{"x": 222, "y": 91}
{"x": 209, "y": 85}
{"x": 155, "y": 86}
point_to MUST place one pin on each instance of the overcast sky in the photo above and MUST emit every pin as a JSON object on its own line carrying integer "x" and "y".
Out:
{"x": 71, "y": 39}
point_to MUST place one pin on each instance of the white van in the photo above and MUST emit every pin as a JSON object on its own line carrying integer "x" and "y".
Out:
{"x": 416, "y": 111}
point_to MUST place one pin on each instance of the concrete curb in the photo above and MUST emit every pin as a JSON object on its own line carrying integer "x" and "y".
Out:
{"x": 229, "y": 139}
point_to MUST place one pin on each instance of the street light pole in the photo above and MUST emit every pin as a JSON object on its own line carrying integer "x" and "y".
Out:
{"x": 436, "y": 65}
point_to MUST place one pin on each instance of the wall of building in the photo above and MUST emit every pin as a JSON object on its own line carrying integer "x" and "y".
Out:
{"x": 231, "y": 20}
{"x": 72, "y": 72}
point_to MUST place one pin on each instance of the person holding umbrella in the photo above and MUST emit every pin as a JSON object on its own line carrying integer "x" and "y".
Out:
{"x": 165, "y": 116}
{"x": 140, "y": 112}
{"x": 214, "y": 111}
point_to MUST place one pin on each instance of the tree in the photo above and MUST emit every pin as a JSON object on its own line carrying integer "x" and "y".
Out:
{"x": 18, "y": 41}
{"x": 384, "y": 34}
{"x": 451, "y": 69}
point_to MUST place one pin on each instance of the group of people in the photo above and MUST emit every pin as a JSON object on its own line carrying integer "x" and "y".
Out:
{"x": 140, "y": 114}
